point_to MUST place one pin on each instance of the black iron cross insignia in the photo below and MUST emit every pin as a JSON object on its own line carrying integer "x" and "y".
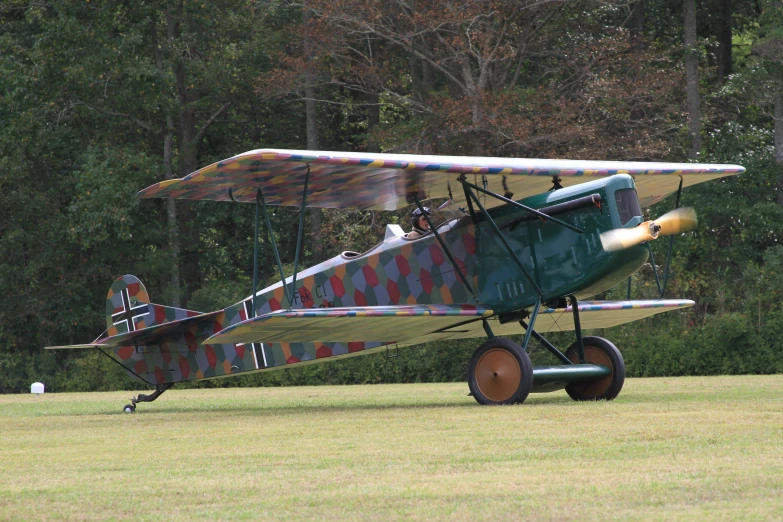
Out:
{"x": 129, "y": 313}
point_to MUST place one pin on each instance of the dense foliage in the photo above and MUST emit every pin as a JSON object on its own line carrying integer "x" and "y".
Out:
{"x": 101, "y": 99}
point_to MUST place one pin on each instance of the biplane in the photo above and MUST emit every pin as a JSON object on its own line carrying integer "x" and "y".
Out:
{"x": 518, "y": 247}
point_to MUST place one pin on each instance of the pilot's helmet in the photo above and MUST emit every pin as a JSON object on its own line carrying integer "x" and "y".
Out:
{"x": 415, "y": 215}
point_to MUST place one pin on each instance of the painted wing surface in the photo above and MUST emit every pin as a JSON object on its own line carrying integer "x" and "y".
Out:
{"x": 389, "y": 181}
{"x": 605, "y": 314}
{"x": 592, "y": 314}
{"x": 397, "y": 324}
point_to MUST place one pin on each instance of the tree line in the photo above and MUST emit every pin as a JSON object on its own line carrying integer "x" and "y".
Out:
{"x": 101, "y": 99}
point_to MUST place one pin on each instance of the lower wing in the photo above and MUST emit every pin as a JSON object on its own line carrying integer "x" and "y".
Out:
{"x": 592, "y": 314}
{"x": 408, "y": 325}
{"x": 388, "y": 324}
{"x": 400, "y": 325}
{"x": 605, "y": 314}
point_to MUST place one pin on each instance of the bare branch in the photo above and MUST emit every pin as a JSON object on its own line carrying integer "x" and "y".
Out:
{"x": 137, "y": 121}
{"x": 210, "y": 121}
{"x": 525, "y": 39}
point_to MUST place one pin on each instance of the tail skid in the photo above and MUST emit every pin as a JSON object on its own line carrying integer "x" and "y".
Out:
{"x": 159, "y": 389}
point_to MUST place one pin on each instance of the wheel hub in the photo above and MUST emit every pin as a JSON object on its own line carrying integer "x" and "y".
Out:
{"x": 498, "y": 374}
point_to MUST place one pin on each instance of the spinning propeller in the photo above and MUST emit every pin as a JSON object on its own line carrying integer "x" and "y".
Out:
{"x": 674, "y": 222}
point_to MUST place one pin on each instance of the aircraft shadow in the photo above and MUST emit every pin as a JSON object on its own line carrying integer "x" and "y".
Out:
{"x": 295, "y": 409}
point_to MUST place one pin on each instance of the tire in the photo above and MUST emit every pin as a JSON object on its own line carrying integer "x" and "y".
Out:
{"x": 598, "y": 351}
{"x": 500, "y": 372}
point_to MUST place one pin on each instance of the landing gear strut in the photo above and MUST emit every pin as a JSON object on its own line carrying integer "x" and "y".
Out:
{"x": 159, "y": 389}
{"x": 500, "y": 371}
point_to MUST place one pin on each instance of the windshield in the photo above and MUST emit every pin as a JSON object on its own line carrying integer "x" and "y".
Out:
{"x": 627, "y": 205}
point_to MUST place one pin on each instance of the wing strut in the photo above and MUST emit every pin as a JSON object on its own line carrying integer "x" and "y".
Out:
{"x": 273, "y": 242}
{"x": 510, "y": 250}
{"x": 299, "y": 238}
{"x": 468, "y": 186}
{"x": 443, "y": 246}
{"x": 671, "y": 242}
{"x": 260, "y": 203}
{"x": 543, "y": 216}
{"x": 661, "y": 289}
{"x": 255, "y": 253}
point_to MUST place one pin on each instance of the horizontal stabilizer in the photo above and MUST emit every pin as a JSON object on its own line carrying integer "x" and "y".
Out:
{"x": 151, "y": 334}
{"x": 146, "y": 336}
{"x": 76, "y": 346}
{"x": 360, "y": 324}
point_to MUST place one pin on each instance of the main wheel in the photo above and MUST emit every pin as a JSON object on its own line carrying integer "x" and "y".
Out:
{"x": 500, "y": 372}
{"x": 597, "y": 351}
{"x": 129, "y": 408}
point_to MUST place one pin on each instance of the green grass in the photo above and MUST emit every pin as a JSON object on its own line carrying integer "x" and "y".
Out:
{"x": 669, "y": 448}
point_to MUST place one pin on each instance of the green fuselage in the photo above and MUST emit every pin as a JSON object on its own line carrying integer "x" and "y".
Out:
{"x": 560, "y": 261}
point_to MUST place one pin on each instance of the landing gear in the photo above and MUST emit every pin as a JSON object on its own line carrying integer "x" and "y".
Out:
{"x": 159, "y": 389}
{"x": 500, "y": 372}
{"x": 597, "y": 350}
{"x": 591, "y": 369}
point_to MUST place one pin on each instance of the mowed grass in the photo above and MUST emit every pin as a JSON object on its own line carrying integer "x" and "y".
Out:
{"x": 674, "y": 448}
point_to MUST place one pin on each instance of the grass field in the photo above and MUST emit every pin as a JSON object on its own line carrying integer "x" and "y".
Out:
{"x": 674, "y": 448}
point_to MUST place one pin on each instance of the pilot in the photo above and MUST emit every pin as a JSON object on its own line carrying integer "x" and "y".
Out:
{"x": 419, "y": 222}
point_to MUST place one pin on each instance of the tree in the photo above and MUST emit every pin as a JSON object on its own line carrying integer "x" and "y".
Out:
{"x": 692, "y": 78}
{"x": 770, "y": 50}
{"x": 316, "y": 214}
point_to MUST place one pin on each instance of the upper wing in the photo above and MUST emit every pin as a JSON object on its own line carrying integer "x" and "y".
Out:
{"x": 389, "y": 181}
{"x": 389, "y": 324}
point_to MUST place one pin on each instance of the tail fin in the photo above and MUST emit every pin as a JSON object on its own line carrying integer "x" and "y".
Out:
{"x": 162, "y": 344}
{"x": 128, "y": 308}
